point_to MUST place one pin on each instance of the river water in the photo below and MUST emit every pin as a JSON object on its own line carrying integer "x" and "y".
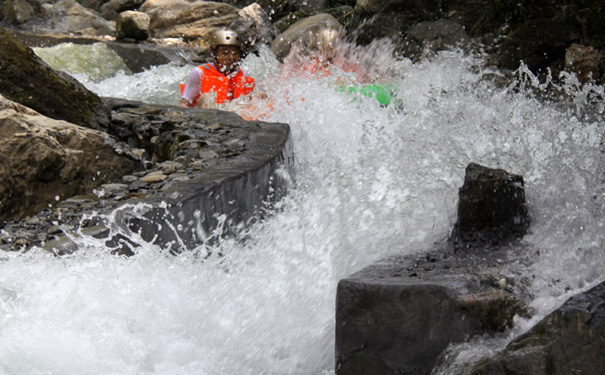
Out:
{"x": 370, "y": 182}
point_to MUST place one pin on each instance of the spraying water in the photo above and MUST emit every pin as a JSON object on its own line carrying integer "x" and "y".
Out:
{"x": 371, "y": 182}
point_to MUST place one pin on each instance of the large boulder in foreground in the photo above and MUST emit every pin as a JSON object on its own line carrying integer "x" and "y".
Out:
{"x": 43, "y": 161}
{"x": 571, "y": 340}
{"x": 399, "y": 315}
{"x": 27, "y": 80}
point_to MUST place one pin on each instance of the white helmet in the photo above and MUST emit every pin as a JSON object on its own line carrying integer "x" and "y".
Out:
{"x": 224, "y": 37}
{"x": 326, "y": 38}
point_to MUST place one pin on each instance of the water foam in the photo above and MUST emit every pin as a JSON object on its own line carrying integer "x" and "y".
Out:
{"x": 371, "y": 182}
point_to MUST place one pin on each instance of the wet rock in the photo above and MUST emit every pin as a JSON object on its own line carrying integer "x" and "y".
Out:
{"x": 254, "y": 27}
{"x": 491, "y": 207}
{"x": 392, "y": 19}
{"x": 234, "y": 178}
{"x": 112, "y": 8}
{"x": 43, "y": 160}
{"x": 584, "y": 62}
{"x": 571, "y": 340}
{"x": 434, "y": 36}
{"x": 27, "y": 80}
{"x": 399, "y": 315}
{"x": 132, "y": 25}
{"x": 191, "y": 21}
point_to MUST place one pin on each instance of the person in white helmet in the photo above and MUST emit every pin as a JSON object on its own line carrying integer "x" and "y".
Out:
{"x": 219, "y": 81}
{"x": 314, "y": 53}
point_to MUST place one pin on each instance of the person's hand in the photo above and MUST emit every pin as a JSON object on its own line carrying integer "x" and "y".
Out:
{"x": 184, "y": 103}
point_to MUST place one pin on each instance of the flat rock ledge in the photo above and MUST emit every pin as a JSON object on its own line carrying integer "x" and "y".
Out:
{"x": 206, "y": 173}
{"x": 399, "y": 315}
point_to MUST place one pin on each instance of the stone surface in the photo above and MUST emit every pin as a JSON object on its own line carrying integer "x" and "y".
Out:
{"x": 398, "y": 315}
{"x": 491, "y": 206}
{"x": 539, "y": 43}
{"x": 189, "y": 20}
{"x": 433, "y": 37}
{"x": 43, "y": 161}
{"x": 223, "y": 167}
{"x": 133, "y": 25}
{"x": 571, "y": 340}
{"x": 27, "y": 80}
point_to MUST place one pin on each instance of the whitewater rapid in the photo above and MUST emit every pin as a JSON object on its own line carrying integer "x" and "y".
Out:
{"x": 370, "y": 182}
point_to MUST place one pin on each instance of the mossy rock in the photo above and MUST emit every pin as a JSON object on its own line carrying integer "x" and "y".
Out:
{"x": 27, "y": 80}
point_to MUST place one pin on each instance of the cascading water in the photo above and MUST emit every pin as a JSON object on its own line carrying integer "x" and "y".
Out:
{"x": 371, "y": 182}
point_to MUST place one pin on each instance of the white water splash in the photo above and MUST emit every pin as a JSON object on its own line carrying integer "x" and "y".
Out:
{"x": 371, "y": 182}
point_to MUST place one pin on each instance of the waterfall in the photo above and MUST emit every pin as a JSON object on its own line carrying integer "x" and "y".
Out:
{"x": 371, "y": 182}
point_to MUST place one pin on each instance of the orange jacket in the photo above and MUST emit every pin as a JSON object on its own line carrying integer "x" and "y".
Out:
{"x": 226, "y": 88}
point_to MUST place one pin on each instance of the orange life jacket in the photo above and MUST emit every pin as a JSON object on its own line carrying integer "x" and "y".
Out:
{"x": 226, "y": 88}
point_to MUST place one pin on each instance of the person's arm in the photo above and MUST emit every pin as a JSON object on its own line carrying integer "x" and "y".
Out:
{"x": 193, "y": 87}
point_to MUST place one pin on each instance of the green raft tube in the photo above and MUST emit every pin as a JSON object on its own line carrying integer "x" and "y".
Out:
{"x": 384, "y": 94}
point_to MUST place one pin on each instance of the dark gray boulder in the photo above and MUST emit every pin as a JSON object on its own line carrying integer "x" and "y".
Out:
{"x": 491, "y": 207}
{"x": 571, "y": 340}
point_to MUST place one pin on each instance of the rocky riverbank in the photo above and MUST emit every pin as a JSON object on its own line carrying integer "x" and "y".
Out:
{"x": 178, "y": 160}
{"x": 178, "y": 150}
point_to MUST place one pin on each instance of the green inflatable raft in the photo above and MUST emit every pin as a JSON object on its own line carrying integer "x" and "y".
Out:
{"x": 382, "y": 93}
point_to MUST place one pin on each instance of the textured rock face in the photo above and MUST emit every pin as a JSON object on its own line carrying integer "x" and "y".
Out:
{"x": 399, "y": 315}
{"x": 188, "y": 20}
{"x": 27, "y": 80}
{"x": 134, "y": 25}
{"x": 491, "y": 206}
{"x": 571, "y": 340}
{"x": 201, "y": 167}
{"x": 43, "y": 160}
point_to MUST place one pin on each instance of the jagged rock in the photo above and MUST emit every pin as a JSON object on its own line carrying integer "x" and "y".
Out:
{"x": 491, "y": 206}
{"x": 305, "y": 28}
{"x": 27, "y": 80}
{"x": 70, "y": 17}
{"x": 133, "y": 25}
{"x": 43, "y": 161}
{"x": 571, "y": 340}
{"x": 584, "y": 62}
{"x": 191, "y": 21}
